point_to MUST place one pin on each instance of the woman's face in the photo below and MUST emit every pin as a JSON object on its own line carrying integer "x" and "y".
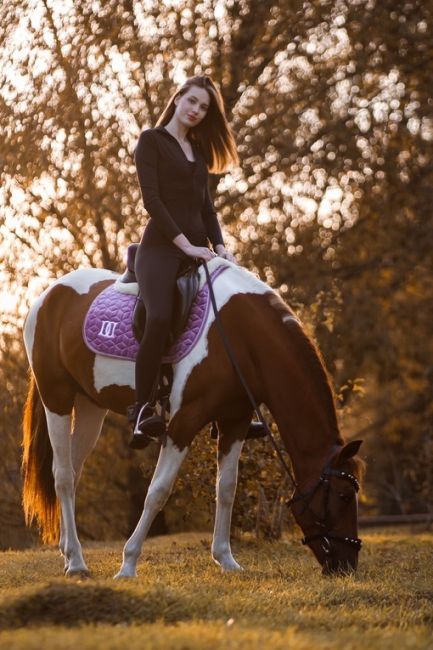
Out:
{"x": 192, "y": 106}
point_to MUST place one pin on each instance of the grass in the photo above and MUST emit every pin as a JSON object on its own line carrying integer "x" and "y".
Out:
{"x": 181, "y": 600}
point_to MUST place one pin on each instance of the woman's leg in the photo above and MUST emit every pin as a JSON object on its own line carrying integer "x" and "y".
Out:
{"x": 156, "y": 269}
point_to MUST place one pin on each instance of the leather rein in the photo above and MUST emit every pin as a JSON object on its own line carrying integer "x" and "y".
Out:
{"x": 323, "y": 522}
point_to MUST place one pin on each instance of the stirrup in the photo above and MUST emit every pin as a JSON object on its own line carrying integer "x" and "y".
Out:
{"x": 146, "y": 425}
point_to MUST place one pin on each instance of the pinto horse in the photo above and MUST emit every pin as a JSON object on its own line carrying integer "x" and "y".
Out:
{"x": 72, "y": 388}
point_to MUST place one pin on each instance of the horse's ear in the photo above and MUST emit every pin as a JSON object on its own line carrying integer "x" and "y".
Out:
{"x": 349, "y": 450}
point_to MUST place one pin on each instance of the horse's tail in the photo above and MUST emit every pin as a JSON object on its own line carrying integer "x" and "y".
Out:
{"x": 39, "y": 496}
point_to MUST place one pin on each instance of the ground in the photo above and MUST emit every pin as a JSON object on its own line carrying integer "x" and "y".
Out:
{"x": 181, "y": 600}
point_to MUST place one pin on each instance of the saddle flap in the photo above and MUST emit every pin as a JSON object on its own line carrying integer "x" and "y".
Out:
{"x": 187, "y": 286}
{"x": 188, "y": 283}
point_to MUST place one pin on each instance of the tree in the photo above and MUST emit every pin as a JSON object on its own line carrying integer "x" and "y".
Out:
{"x": 330, "y": 103}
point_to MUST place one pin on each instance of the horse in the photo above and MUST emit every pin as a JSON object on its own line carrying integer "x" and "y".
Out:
{"x": 71, "y": 389}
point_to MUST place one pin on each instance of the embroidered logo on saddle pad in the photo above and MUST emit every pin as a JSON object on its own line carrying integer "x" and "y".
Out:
{"x": 107, "y": 328}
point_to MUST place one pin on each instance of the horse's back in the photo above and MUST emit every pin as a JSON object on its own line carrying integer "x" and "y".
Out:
{"x": 67, "y": 292}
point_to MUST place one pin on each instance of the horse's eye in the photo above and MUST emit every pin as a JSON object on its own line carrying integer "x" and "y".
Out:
{"x": 346, "y": 497}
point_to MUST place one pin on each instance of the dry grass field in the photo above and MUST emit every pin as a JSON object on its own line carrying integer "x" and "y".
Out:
{"x": 181, "y": 600}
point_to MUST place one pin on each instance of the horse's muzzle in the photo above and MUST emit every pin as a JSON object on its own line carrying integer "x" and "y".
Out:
{"x": 339, "y": 568}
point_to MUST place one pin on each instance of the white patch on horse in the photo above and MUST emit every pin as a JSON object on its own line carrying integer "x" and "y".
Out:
{"x": 233, "y": 281}
{"x": 226, "y": 490}
{"x": 108, "y": 371}
{"x": 81, "y": 281}
{"x": 59, "y": 431}
{"x": 278, "y": 304}
{"x": 276, "y": 301}
{"x": 30, "y": 326}
{"x": 290, "y": 317}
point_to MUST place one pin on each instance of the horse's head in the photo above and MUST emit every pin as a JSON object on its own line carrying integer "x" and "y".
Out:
{"x": 328, "y": 512}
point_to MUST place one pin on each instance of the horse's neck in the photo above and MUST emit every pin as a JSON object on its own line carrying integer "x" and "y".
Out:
{"x": 297, "y": 393}
{"x": 307, "y": 439}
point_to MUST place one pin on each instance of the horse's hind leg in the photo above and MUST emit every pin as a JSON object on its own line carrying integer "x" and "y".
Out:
{"x": 59, "y": 430}
{"x": 88, "y": 420}
{"x": 229, "y": 450}
{"x": 169, "y": 462}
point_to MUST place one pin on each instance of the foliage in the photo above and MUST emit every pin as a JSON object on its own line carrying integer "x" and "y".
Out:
{"x": 330, "y": 102}
{"x": 350, "y": 236}
{"x": 260, "y": 500}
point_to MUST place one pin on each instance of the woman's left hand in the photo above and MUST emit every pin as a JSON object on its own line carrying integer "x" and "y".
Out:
{"x": 222, "y": 252}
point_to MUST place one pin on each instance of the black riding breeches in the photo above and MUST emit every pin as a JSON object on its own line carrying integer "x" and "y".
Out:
{"x": 156, "y": 269}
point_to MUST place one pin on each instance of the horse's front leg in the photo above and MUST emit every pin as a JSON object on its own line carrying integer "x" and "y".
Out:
{"x": 169, "y": 462}
{"x": 229, "y": 450}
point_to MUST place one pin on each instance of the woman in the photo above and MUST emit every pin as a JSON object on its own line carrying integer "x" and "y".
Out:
{"x": 172, "y": 163}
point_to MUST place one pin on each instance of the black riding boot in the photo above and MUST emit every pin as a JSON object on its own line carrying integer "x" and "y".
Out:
{"x": 146, "y": 425}
{"x": 255, "y": 430}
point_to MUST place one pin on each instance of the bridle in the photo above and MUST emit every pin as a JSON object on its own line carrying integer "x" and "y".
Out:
{"x": 322, "y": 520}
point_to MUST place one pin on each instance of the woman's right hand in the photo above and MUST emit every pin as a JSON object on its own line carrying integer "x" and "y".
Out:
{"x": 200, "y": 252}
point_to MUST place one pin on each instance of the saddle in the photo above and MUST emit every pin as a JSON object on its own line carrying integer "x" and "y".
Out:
{"x": 188, "y": 282}
{"x": 187, "y": 286}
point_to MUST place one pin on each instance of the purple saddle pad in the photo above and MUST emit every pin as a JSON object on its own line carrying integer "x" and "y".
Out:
{"x": 107, "y": 328}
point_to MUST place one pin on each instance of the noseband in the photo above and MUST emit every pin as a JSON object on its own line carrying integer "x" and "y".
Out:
{"x": 323, "y": 521}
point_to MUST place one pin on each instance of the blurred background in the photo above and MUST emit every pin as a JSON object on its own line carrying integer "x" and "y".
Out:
{"x": 332, "y": 108}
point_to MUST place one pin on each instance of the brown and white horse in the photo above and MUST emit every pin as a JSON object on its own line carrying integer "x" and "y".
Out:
{"x": 72, "y": 388}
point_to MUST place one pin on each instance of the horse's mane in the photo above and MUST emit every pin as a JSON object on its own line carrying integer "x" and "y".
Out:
{"x": 312, "y": 355}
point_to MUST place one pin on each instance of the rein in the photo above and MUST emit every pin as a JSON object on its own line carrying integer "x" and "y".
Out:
{"x": 242, "y": 379}
{"x": 324, "y": 524}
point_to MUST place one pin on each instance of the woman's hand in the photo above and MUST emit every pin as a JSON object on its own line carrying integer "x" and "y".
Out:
{"x": 200, "y": 252}
{"x": 224, "y": 253}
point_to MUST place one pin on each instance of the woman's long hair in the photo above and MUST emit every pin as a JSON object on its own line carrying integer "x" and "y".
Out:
{"x": 213, "y": 133}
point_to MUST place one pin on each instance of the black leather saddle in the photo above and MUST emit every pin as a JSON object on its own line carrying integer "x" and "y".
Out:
{"x": 187, "y": 287}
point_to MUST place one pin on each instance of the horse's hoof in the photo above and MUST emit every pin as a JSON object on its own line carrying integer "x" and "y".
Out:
{"x": 228, "y": 564}
{"x": 125, "y": 573}
{"x": 80, "y": 574}
{"x": 232, "y": 568}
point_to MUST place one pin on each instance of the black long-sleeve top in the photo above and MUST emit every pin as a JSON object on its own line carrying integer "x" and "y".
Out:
{"x": 175, "y": 191}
